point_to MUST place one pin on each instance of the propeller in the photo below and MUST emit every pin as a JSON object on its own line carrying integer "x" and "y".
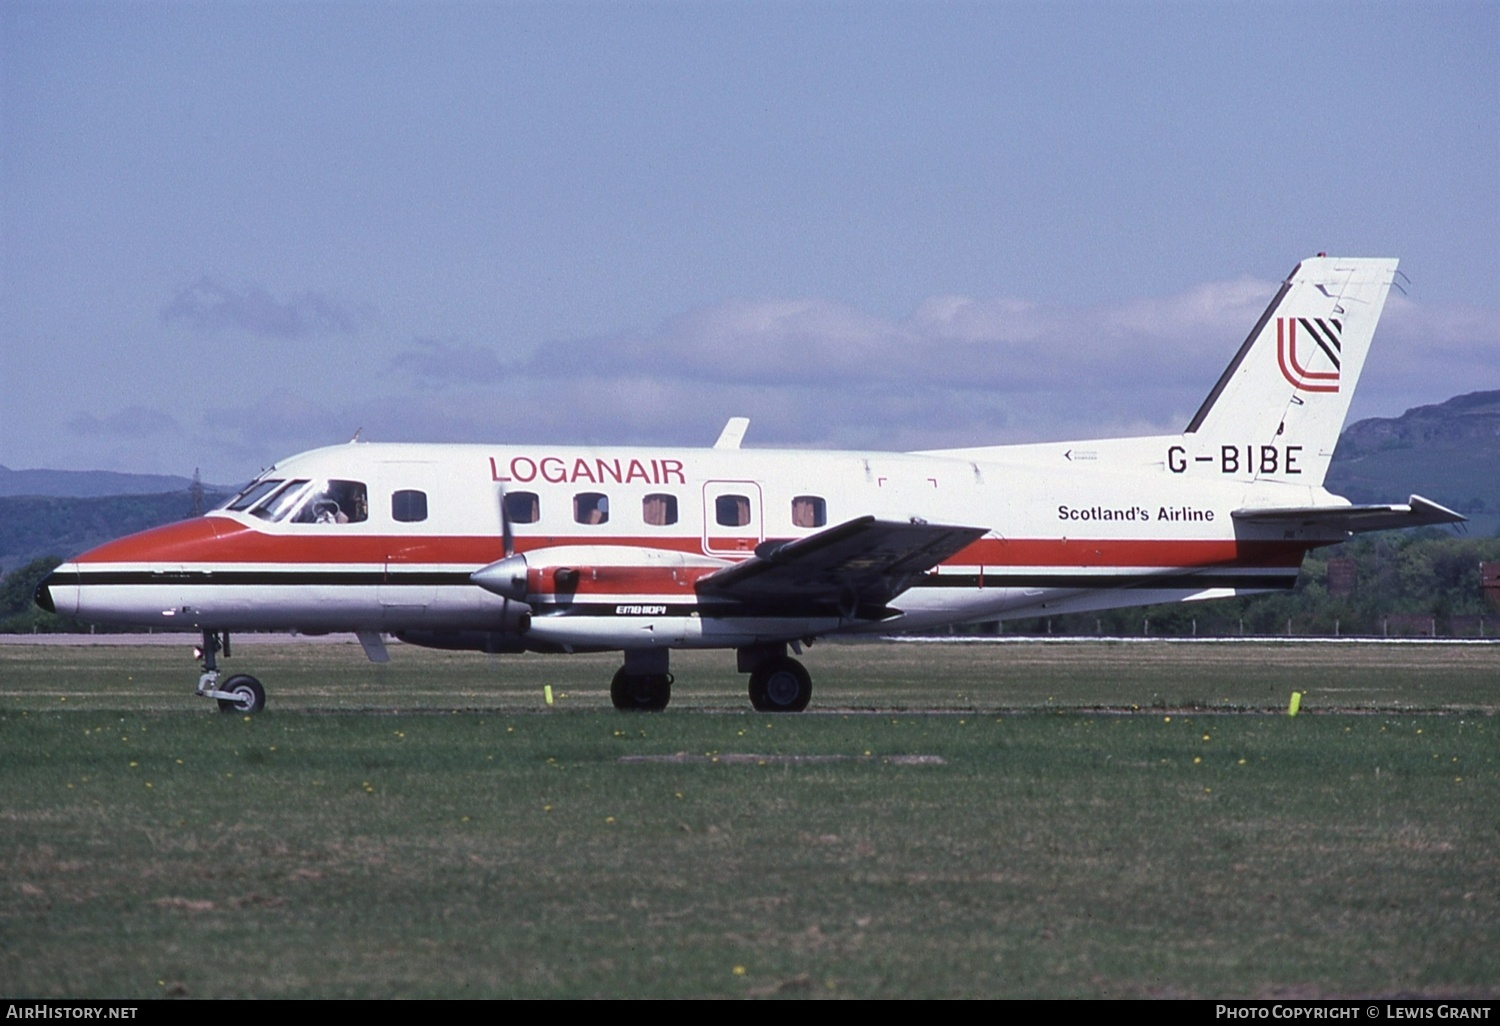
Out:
{"x": 506, "y": 576}
{"x": 507, "y": 538}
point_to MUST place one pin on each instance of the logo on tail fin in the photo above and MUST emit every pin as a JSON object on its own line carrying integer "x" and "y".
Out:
{"x": 1324, "y": 334}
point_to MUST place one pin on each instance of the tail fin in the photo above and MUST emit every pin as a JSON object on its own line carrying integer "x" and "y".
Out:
{"x": 1291, "y": 382}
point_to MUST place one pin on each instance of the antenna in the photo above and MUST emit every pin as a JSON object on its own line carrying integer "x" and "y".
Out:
{"x": 195, "y": 493}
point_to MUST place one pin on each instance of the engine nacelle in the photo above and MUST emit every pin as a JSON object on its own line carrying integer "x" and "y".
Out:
{"x": 511, "y": 625}
{"x": 565, "y": 569}
{"x": 493, "y": 642}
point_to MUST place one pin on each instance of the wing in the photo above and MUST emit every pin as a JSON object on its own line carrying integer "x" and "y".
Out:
{"x": 1417, "y": 512}
{"x": 852, "y": 570}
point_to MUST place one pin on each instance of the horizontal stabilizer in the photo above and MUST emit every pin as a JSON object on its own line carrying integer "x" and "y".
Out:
{"x": 852, "y": 569}
{"x": 1417, "y": 512}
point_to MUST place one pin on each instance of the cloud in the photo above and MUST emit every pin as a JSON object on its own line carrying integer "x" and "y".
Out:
{"x": 812, "y": 371}
{"x": 815, "y": 373}
{"x": 280, "y": 419}
{"x": 431, "y": 362}
{"x": 133, "y": 422}
{"x": 1004, "y": 345}
{"x": 210, "y": 305}
{"x": 1425, "y": 353}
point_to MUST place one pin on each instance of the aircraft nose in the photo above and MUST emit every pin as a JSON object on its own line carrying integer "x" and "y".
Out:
{"x": 56, "y": 594}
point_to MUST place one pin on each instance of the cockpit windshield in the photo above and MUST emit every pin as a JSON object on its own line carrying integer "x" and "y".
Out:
{"x": 303, "y": 501}
{"x": 253, "y": 494}
{"x": 276, "y": 505}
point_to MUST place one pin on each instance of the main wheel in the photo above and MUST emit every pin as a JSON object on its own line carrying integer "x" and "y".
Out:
{"x": 640, "y": 692}
{"x": 249, "y": 696}
{"x": 780, "y": 684}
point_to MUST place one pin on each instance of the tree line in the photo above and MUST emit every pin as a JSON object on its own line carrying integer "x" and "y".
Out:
{"x": 1389, "y": 584}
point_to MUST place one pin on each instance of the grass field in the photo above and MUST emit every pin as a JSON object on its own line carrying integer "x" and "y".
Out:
{"x": 1105, "y": 820}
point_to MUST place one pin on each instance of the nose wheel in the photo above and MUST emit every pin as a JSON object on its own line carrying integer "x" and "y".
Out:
{"x": 247, "y": 695}
{"x": 241, "y": 693}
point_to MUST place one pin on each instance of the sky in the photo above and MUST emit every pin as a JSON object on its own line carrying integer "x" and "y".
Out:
{"x": 230, "y": 232}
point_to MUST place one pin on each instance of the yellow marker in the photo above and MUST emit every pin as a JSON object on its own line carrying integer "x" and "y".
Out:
{"x": 1295, "y": 704}
{"x": 547, "y": 693}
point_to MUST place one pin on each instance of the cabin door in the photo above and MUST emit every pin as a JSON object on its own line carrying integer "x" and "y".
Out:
{"x": 408, "y": 496}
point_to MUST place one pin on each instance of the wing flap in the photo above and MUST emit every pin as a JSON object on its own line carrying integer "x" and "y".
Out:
{"x": 854, "y": 568}
{"x": 1415, "y": 512}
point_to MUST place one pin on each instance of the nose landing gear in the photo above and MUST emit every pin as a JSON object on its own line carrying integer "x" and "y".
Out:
{"x": 249, "y": 696}
{"x": 241, "y": 693}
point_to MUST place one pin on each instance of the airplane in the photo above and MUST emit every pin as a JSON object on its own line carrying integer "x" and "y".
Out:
{"x": 642, "y": 550}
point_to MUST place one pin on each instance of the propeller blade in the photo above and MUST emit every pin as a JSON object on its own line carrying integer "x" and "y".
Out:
{"x": 508, "y": 540}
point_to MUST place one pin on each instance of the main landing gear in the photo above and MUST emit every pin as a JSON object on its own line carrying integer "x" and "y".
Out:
{"x": 778, "y": 683}
{"x": 643, "y": 683}
{"x": 241, "y": 693}
{"x": 640, "y": 692}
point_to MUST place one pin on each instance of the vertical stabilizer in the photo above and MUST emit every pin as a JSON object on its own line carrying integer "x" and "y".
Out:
{"x": 1291, "y": 382}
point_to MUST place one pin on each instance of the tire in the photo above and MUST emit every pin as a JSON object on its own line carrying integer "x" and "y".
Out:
{"x": 780, "y": 684}
{"x": 249, "y": 697}
{"x": 640, "y": 693}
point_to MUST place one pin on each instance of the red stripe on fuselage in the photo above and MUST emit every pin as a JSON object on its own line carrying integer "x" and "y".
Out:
{"x": 621, "y": 580}
{"x": 1093, "y": 552}
{"x": 222, "y": 541}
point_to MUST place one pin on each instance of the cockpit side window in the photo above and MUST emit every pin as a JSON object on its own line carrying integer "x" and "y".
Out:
{"x": 335, "y": 502}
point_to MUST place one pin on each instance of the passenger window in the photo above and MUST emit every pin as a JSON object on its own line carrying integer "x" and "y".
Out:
{"x": 591, "y": 508}
{"x": 335, "y": 502}
{"x": 659, "y": 510}
{"x": 809, "y": 511}
{"x": 732, "y": 510}
{"x": 409, "y": 506}
{"x": 523, "y": 507}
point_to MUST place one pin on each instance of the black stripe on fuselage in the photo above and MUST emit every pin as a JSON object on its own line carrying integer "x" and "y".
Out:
{"x": 1106, "y": 582}
{"x": 1216, "y": 578}
{"x": 626, "y": 607}
{"x": 546, "y": 609}
{"x": 252, "y": 578}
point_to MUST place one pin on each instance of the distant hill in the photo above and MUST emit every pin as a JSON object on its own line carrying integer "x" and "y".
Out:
{"x": 85, "y": 484}
{"x": 1449, "y": 452}
{"x": 47, "y": 525}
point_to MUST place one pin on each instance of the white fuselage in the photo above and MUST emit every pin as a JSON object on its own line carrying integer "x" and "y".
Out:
{"x": 1070, "y": 527}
